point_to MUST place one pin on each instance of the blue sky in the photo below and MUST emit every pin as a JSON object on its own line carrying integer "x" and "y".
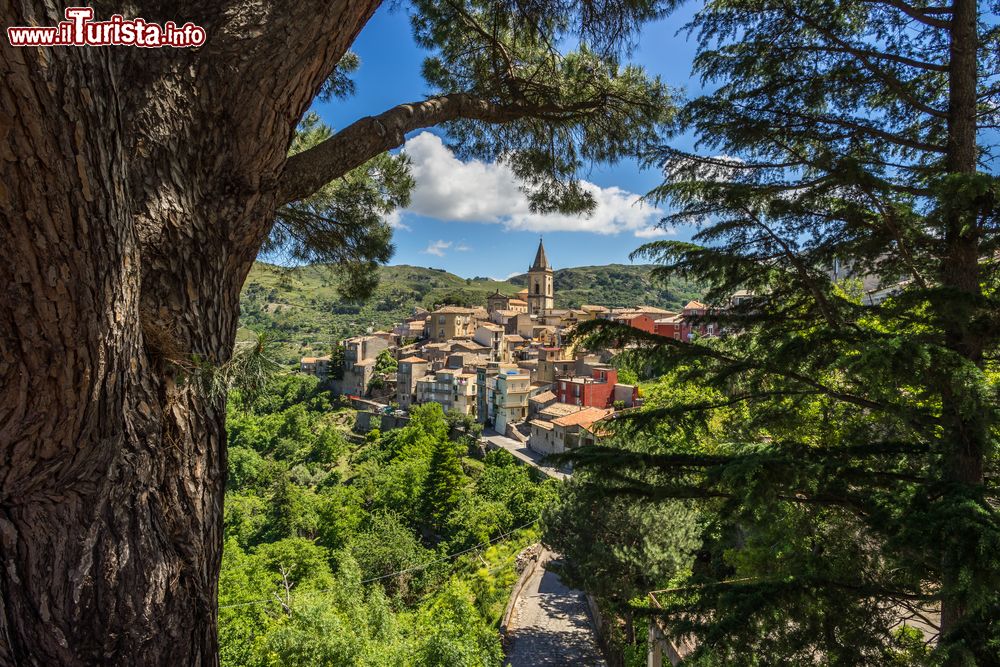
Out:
{"x": 468, "y": 218}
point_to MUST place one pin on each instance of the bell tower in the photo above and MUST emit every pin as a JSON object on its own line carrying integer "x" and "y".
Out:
{"x": 540, "y": 287}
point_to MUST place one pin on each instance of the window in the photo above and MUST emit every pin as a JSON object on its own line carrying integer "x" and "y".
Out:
{"x": 440, "y": 319}
{"x": 536, "y": 288}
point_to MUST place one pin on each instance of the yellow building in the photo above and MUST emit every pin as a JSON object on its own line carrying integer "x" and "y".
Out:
{"x": 450, "y": 322}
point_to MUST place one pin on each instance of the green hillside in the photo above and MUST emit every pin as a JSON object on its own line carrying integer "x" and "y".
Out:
{"x": 615, "y": 285}
{"x": 302, "y": 307}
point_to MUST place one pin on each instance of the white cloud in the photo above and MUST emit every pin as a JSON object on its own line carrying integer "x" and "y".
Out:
{"x": 395, "y": 220}
{"x": 654, "y": 232}
{"x": 437, "y": 248}
{"x": 452, "y": 190}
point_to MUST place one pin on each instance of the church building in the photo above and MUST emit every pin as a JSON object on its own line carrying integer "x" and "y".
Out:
{"x": 540, "y": 284}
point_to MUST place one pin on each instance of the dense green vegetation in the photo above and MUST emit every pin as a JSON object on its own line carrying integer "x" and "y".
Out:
{"x": 841, "y": 452}
{"x": 337, "y": 545}
{"x": 304, "y": 308}
{"x": 618, "y": 285}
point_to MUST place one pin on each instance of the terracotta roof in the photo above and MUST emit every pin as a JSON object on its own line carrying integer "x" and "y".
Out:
{"x": 514, "y": 337}
{"x": 516, "y": 302}
{"x": 469, "y": 345}
{"x": 543, "y": 397}
{"x": 308, "y": 360}
{"x": 583, "y": 418}
{"x": 654, "y": 311}
{"x": 695, "y": 305}
{"x": 560, "y": 410}
{"x": 414, "y": 360}
{"x": 541, "y": 424}
{"x": 453, "y": 310}
{"x": 588, "y": 306}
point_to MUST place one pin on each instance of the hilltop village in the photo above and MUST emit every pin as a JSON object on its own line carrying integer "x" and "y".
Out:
{"x": 507, "y": 364}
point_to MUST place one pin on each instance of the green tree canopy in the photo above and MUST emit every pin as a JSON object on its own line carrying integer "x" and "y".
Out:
{"x": 852, "y": 462}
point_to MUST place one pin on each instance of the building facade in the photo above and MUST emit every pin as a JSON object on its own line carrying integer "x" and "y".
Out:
{"x": 600, "y": 390}
{"x": 510, "y": 399}
{"x": 408, "y": 372}
{"x": 541, "y": 290}
{"x": 359, "y": 363}
{"x": 450, "y": 322}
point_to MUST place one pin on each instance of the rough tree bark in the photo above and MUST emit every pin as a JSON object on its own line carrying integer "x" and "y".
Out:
{"x": 135, "y": 189}
{"x": 966, "y": 430}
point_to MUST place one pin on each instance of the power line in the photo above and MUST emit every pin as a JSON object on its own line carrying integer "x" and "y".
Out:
{"x": 415, "y": 568}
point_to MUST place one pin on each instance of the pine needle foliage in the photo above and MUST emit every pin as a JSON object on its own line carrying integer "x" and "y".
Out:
{"x": 842, "y": 444}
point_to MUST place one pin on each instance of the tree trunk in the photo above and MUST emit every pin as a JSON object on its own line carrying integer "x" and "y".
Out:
{"x": 966, "y": 432}
{"x": 136, "y": 186}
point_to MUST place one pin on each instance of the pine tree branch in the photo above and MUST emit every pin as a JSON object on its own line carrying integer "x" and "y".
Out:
{"x": 878, "y": 55}
{"x": 920, "y": 14}
{"x": 308, "y": 171}
{"x": 889, "y": 79}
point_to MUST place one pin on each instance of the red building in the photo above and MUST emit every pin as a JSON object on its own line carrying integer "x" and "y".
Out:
{"x": 601, "y": 390}
{"x": 690, "y": 321}
{"x": 639, "y": 321}
{"x": 671, "y": 327}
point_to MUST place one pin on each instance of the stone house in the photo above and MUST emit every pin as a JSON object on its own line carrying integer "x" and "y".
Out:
{"x": 408, "y": 372}
{"x": 554, "y": 362}
{"x": 360, "y": 353}
{"x": 558, "y": 427}
{"x": 539, "y": 402}
{"x": 318, "y": 366}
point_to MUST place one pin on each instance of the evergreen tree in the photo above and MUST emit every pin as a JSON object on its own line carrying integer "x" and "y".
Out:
{"x": 852, "y": 484}
{"x": 445, "y": 483}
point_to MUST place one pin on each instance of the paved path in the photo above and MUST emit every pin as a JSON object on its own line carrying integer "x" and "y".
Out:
{"x": 551, "y": 625}
{"x": 521, "y": 452}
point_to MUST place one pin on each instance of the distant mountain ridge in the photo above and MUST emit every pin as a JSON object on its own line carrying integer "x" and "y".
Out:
{"x": 301, "y": 306}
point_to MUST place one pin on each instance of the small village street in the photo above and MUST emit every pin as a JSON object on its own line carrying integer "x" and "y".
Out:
{"x": 551, "y": 624}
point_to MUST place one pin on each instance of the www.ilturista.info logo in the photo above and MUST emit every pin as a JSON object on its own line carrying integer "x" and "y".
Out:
{"x": 79, "y": 30}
